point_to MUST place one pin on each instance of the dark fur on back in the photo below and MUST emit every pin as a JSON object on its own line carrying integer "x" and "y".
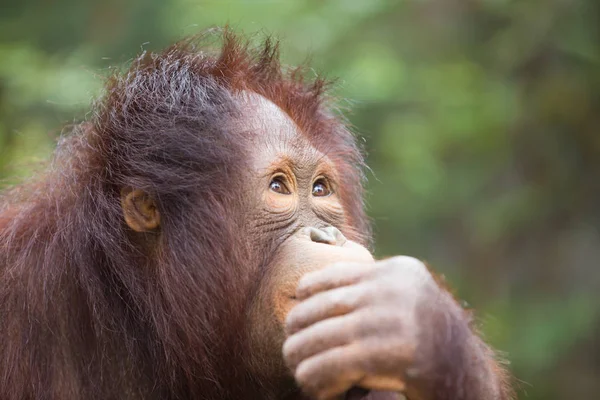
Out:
{"x": 88, "y": 309}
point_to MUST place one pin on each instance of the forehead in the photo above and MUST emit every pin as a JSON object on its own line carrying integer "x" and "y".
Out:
{"x": 274, "y": 134}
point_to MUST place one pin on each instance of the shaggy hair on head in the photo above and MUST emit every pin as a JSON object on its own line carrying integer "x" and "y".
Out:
{"x": 89, "y": 309}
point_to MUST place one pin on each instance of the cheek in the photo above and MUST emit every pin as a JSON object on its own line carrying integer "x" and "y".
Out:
{"x": 283, "y": 290}
{"x": 282, "y": 301}
{"x": 282, "y": 305}
{"x": 266, "y": 322}
{"x": 265, "y": 338}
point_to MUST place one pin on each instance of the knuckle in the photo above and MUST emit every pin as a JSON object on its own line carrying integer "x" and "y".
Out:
{"x": 305, "y": 283}
{"x": 289, "y": 347}
{"x": 294, "y": 319}
{"x": 290, "y": 319}
{"x": 364, "y": 296}
{"x": 409, "y": 262}
{"x": 407, "y": 265}
{"x": 303, "y": 377}
{"x": 303, "y": 290}
{"x": 338, "y": 298}
{"x": 290, "y": 352}
{"x": 343, "y": 300}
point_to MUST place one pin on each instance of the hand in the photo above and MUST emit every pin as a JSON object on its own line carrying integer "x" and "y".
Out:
{"x": 358, "y": 324}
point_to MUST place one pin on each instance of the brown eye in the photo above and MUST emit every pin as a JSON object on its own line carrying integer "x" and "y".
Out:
{"x": 320, "y": 189}
{"x": 278, "y": 186}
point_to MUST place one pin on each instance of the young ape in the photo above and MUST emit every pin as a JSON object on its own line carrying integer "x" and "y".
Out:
{"x": 203, "y": 237}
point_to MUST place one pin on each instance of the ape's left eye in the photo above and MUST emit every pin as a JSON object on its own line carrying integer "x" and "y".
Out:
{"x": 321, "y": 188}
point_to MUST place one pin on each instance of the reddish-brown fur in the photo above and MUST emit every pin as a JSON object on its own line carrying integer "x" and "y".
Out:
{"x": 91, "y": 310}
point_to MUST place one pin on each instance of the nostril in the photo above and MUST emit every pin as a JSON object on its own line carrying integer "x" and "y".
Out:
{"x": 340, "y": 239}
{"x": 322, "y": 236}
{"x": 330, "y": 235}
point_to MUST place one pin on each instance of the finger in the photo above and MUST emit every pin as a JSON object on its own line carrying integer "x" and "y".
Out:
{"x": 326, "y": 334}
{"x": 331, "y": 373}
{"x": 325, "y": 305}
{"x": 414, "y": 269}
{"x": 381, "y": 330}
{"x": 383, "y": 383}
{"x": 374, "y": 365}
{"x": 336, "y": 275}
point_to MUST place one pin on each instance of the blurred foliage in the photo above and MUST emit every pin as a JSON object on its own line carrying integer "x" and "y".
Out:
{"x": 481, "y": 119}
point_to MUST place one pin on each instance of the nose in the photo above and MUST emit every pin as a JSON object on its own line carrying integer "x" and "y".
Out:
{"x": 330, "y": 235}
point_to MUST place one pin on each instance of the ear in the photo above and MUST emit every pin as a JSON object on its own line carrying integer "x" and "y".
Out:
{"x": 139, "y": 210}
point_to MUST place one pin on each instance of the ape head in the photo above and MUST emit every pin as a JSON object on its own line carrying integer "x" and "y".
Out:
{"x": 159, "y": 256}
{"x": 295, "y": 195}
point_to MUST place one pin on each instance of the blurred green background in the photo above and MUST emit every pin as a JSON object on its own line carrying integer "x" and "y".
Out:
{"x": 481, "y": 120}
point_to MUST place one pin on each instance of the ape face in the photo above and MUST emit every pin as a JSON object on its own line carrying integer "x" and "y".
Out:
{"x": 300, "y": 213}
{"x": 296, "y": 183}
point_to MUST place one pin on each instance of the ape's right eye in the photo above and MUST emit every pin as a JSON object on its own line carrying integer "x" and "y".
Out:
{"x": 278, "y": 186}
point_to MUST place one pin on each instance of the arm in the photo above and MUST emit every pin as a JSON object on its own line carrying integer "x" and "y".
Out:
{"x": 452, "y": 361}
